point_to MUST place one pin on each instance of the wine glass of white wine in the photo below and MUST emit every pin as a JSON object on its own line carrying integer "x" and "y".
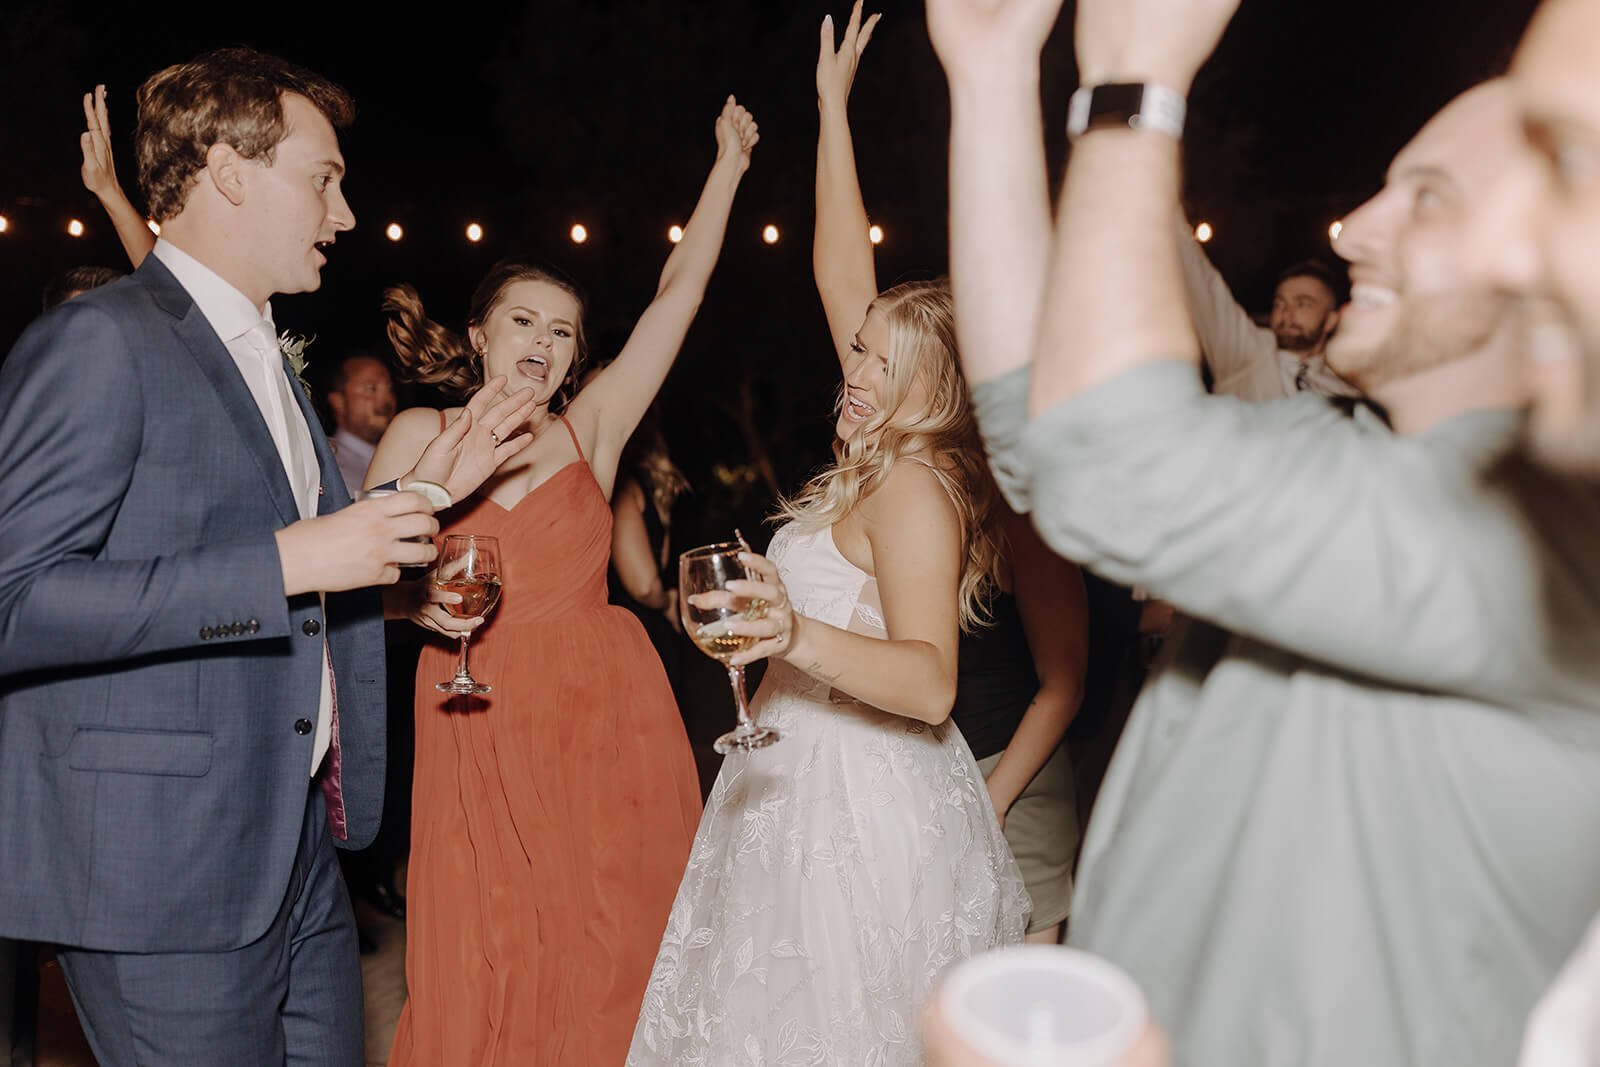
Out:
{"x": 469, "y": 565}
{"x": 709, "y": 569}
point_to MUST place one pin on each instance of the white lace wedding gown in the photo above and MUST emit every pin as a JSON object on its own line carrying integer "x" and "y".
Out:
{"x": 836, "y": 874}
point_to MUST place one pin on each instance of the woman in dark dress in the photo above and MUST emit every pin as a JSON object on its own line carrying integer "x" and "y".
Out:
{"x": 644, "y": 565}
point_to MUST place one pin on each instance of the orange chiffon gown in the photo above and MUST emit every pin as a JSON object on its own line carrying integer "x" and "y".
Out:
{"x": 552, "y": 818}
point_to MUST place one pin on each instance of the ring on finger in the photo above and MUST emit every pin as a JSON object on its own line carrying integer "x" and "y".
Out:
{"x": 495, "y": 438}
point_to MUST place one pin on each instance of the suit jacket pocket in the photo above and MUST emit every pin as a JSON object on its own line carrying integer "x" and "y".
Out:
{"x": 185, "y": 755}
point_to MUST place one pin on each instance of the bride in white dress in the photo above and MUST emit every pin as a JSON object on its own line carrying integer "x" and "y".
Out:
{"x": 839, "y": 872}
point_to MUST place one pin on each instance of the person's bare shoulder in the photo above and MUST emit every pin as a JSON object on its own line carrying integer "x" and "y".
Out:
{"x": 911, "y": 497}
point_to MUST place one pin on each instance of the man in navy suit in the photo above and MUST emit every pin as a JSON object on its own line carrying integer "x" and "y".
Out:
{"x": 191, "y": 658}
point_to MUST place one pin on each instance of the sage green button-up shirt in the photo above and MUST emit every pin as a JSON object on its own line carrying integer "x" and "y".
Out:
{"x": 1355, "y": 817}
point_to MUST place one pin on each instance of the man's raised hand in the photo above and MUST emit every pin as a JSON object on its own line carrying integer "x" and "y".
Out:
{"x": 1161, "y": 41}
{"x": 978, "y": 39}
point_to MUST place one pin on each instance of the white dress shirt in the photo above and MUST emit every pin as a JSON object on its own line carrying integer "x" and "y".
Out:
{"x": 1244, "y": 358}
{"x": 354, "y": 456}
{"x": 252, "y": 341}
{"x": 1564, "y": 1030}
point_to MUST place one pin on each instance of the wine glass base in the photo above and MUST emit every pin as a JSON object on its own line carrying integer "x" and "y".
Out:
{"x": 463, "y": 688}
{"x": 743, "y": 740}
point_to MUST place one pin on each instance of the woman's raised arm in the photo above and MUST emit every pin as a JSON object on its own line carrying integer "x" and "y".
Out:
{"x": 100, "y": 178}
{"x": 611, "y": 405}
{"x": 841, "y": 251}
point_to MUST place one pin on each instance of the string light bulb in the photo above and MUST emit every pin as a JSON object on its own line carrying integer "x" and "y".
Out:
{"x": 579, "y": 233}
{"x": 75, "y": 228}
{"x": 675, "y": 233}
{"x": 394, "y": 232}
{"x": 1336, "y": 229}
{"x": 875, "y": 234}
{"x": 1203, "y": 232}
{"x": 474, "y": 232}
{"x": 769, "y": 234}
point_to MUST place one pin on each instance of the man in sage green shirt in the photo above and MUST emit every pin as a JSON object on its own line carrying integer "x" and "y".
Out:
{"x": 1539, "y": 237}
{"x": 1355, "y": 815}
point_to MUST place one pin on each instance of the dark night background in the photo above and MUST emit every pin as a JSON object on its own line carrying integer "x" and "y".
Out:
{"x": 530, "y": 117}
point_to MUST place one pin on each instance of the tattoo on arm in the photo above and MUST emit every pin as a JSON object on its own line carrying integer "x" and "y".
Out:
{"x": 817, "y": 671}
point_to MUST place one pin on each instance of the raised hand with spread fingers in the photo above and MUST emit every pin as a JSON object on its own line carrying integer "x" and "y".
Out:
{"x": 99, "y": 173}
{"x": 836, "y": 67}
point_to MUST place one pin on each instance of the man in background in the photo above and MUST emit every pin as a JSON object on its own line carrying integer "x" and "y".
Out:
{"x": 75, "y": 281}
{"x": 1285, "y": 357}
{"x": 361, "y": 398}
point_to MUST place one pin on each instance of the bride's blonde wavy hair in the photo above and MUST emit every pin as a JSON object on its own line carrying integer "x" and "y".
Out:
{"x": 922, "y": 344}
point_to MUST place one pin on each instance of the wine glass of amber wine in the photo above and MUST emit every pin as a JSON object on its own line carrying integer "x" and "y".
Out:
{"x": 470, "y": 566}
{"x": 708, "y": 570}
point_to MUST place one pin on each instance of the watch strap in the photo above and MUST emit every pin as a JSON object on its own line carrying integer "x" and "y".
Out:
{"x": 1126, "y": 105}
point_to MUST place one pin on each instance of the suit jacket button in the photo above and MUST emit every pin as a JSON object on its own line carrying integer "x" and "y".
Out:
{"x": 236, "y": 629}
{"x": 302, "y": 726}
{"x": 252, "y": 627}
{"x": 311, "y": 627}
{"x": 205, "y": 633}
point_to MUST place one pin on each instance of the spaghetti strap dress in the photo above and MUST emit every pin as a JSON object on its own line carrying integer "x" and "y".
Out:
{"x": 552, "y": 818}
{"x": 836, "y": 875}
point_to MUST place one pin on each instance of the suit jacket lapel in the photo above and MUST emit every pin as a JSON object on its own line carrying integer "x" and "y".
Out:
{"x": 217, "y": 365}
{"x": 331, "y": 493}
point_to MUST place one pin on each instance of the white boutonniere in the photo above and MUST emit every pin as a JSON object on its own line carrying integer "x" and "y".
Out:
{"x": 293, "y": 347}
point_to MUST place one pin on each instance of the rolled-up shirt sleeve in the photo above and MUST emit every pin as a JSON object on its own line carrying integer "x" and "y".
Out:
{"x": 1234, "y": 346}
{"x": 1001, "y": 406}
{"x": 1406, "y": 559}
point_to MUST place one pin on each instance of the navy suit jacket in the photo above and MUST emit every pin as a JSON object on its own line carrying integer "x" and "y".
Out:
{"x": 153, "y": 783}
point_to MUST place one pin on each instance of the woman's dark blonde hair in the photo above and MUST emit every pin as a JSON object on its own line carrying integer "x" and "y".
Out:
{"x": 436, "y": 355}
{"x": 922, "y": 344}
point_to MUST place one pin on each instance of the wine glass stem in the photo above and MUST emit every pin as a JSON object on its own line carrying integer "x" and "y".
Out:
{"x": 736, "y": 680}
{"x": 462, "y": 673}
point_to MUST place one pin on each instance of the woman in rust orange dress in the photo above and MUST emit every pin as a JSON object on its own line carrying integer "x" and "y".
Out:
{"x": 552, "y": 816}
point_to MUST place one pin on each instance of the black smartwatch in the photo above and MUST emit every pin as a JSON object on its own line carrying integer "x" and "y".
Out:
{"x": 1126, "y": 105}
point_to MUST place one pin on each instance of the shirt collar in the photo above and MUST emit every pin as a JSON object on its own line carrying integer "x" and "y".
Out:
{"x": 230, "y": 312}
{"x": 350, "y": 442}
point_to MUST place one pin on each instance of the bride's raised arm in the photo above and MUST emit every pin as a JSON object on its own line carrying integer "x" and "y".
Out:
{"x": 841, "y": 251}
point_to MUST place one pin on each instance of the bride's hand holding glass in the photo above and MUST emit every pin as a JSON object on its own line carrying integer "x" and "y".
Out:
{"x": 716, "y": 615}
{"x": 777, "y": 625}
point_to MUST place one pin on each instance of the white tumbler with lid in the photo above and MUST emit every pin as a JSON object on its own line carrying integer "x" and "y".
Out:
{"x": 1041, "y": 1006}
